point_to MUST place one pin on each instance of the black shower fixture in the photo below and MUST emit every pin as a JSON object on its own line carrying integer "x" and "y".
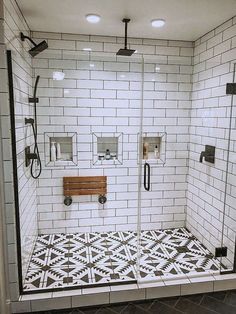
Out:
{"x": 124, "y": 51}
{"x": 32, "y": 159}
{"x": 37, "y": 47}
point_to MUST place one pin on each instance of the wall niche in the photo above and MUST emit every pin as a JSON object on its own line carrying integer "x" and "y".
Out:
{"x": 107, "y": 148}
{"x": 60, "y": 149}
{"x": 154, "y": 147}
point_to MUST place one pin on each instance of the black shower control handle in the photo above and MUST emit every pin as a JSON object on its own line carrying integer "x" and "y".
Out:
{"x": 29, "y": 156}
{"x": 33, "y": 100}
{"x": 208, "y": 154}
{"x": 29, "y": 121}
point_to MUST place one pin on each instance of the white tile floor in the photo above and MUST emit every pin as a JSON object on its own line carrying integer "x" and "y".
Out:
{"x": 83, "y": 259}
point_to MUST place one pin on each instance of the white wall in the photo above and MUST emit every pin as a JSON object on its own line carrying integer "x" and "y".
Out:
{"x": 205, "y": 206}
{"x": 22, "y": 81}
{"x": 106, "y": 98}
{"x": 214, "y": 55}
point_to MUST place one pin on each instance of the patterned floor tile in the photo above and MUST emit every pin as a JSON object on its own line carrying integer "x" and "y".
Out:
{"x": 77, "y": 259}
{"x": 190, "y": 250}
{"x": 50, "y": 283}
{"x": 100, "y": 271}
{"x": 38, "y": 262}
{"x": 59, "y": 240}
{"x": 80, "y": 273}
{"x": 56, "y": 274}
{"x": 34, "y": 279}
{"x": 82, "y": 259}
{"x": 83, "y": 251}
{"x": 197, "y": 265}
{"x": 114, "y": 237}
{"x": 100, "y": 258}
{"x": 44, "y": 240}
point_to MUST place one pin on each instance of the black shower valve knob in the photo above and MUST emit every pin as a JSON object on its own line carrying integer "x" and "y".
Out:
{"x": 102, "y": 199}
{"x": 68, "y": 200}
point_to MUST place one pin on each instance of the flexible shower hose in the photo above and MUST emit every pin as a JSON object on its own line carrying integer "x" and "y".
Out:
{"x": 35, "y": 132}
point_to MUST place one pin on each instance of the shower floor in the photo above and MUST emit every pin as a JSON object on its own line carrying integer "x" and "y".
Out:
{"x": 81, "y": 259}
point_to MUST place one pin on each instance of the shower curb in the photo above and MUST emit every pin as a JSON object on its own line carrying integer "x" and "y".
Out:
{"x": 123, "y": 293}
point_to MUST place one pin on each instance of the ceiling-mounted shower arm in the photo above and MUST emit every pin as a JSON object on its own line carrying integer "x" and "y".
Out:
{"x": 23, "y": 37}
{"x": 125, "y": 51}
{"x": 126, "y": 21}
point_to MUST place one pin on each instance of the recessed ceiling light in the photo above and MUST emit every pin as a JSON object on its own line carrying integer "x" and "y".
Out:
{"x": 92, "y": 65}
{"x": 93, "y": 18}
{"x": 158, "y": 23}
{"x": 157, "y": 69}
{"x": 87, "y": 49}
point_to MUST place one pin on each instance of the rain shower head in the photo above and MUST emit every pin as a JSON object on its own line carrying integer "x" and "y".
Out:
{"x": 125, "y": 51}
{"x": 37, "y": 47}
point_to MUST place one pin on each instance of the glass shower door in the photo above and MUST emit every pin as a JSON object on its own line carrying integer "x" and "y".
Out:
{"x": 154, "y": 217}
{"x": 173, "y": 241}
{"x": 228, "y": 259}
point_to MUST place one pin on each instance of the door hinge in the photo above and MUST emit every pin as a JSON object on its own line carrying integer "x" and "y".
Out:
{"x": 221, "y": 251}
{"x": 231, "y": 89}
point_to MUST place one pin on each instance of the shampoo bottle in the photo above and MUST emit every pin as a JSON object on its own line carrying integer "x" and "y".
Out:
{"x": 58, "y": 151}
{"x": 145, "y": 150}
{"x": 156, "y": 152}
{"x": 108, "y": 154}
{"x": 53, "y": 151}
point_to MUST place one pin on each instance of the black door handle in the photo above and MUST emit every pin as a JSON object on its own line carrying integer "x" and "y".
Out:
{"x": 147, "y": 176}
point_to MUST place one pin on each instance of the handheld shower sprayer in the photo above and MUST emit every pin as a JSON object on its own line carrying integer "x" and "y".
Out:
{"x": 30, "y": 158}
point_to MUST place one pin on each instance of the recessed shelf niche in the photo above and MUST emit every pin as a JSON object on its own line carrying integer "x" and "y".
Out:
{"x": 68, "y": 149}
{"x": 154, "y": 147}
{"x": 107, "y": 148}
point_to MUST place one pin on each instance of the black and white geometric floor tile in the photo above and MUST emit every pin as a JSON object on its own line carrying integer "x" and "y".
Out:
{"x": 63, "y": 260}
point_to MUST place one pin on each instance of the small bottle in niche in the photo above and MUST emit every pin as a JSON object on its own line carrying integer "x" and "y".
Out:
{"x": 108, "y": 154}
{"x": 156, "y": 152}
{"x": 145, "y": 150}
{"x": 100, "y": 156}
{"x": 113, "y": 156}
{"x": 53, "y": 151}
{"x": 58, "y": 151}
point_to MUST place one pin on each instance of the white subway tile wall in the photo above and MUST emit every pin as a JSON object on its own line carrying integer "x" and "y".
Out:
{"x": 104, "y": 94}
{"x": 105, "y": 97}
{"x": 207, "y": 216}
{"x": 11, "y": 25}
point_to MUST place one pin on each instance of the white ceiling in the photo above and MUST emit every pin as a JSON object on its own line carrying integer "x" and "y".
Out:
{"x": 185, "y": 19}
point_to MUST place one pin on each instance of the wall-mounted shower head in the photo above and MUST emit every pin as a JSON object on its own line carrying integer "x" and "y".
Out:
{"x": 125, "y": 51}
{"x": 37, "y": 47}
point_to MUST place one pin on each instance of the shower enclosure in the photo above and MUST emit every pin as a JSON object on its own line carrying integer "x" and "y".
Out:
{"x": 126, "y": 126}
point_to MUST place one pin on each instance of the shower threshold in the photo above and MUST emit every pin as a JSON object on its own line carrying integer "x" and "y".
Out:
{"x": 68, "y": 261}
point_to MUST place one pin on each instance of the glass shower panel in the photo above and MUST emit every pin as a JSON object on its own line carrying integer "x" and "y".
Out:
{"x": 180, "y": 219}
{"x": 90, "y": 116}
{"x": 157, "y": 176}
{"x": 228, "y": 262}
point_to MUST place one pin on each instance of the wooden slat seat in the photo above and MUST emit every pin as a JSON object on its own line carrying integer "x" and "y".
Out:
{"x": 92, "y": 185}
